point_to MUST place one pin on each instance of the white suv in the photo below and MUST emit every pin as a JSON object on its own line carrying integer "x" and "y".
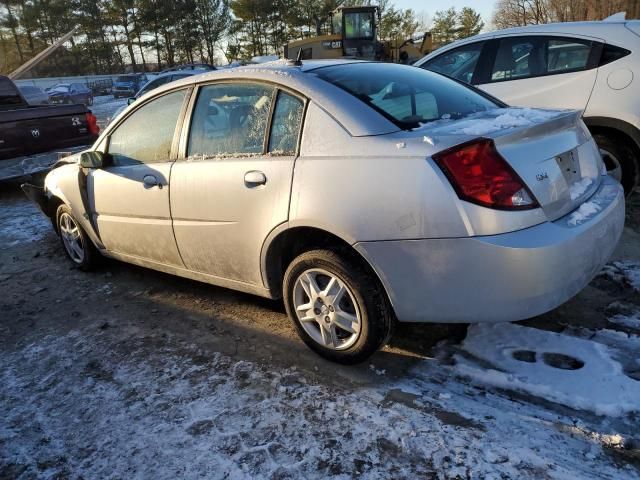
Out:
{"x": 588, "y": 66}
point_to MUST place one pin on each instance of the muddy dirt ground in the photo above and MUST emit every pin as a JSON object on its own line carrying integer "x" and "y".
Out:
{"x": 76, "y": 331}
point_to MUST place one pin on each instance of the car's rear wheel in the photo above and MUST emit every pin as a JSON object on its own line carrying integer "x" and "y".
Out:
{"x": 336, "y": 305}
{"x": 620, "y": 161}
{"x": 77, "y": 245}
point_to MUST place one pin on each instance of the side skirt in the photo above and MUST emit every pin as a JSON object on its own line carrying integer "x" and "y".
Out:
{"x": 200, "y": 277}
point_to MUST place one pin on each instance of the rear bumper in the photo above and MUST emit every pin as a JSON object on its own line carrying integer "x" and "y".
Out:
{"x": 498, "y": 278}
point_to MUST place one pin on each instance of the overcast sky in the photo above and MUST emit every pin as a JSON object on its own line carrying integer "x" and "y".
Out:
{"x": 485, "y": 7}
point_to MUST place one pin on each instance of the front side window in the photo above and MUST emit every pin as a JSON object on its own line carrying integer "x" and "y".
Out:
{"x": 405, "y": 95}
{"x": 147, "y": 134}
{"x": 459, "y": 63}
{"x": 526, "y": 57}
{"x": 285, "y": 126}
{"x": 230, "y": 119}
{"x": 358, "y": 25}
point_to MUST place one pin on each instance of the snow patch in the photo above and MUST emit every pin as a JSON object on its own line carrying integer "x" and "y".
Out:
{"x": 595, "y": 382}
{"x": 584, "y": 213}
{"x": 492, "y": 121}
{"x": 629, "y": 321}
{"x": 626, "y": 273}
{"x": 577, "y": 189}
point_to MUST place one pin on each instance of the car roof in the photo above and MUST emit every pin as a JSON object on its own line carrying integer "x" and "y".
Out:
{"x": 606, "y": 30}
{"x": 354, "y": 115}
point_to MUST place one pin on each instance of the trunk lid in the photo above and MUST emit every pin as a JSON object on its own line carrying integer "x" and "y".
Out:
{"x": 551, "y": 151}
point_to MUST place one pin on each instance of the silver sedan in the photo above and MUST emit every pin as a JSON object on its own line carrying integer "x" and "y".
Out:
{"x": 361, "y": 193}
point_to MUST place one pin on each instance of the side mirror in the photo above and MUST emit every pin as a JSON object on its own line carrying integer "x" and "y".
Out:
{"x": 91, "y": 159}
{"x": 130, "y": 100}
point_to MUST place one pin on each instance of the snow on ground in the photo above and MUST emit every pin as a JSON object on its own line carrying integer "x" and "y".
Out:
{"x": 629, "y": 321}
{"x": 578, "y": 373}
{"x": 625, "y": 273}
{"x": 113, "y": 404}
{"x": 22, "y": 222}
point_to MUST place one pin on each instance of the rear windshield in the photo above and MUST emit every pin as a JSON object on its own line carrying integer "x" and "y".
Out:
{"x": 407, "y": 96}
{"x": 8, "y": 93}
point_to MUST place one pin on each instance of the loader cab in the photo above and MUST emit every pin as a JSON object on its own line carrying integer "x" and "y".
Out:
{"x": 357, "y": 26}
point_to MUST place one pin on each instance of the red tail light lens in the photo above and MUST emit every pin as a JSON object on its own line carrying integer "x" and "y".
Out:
{"x": 480, "y": 175}
{"x": 92, "y": 124}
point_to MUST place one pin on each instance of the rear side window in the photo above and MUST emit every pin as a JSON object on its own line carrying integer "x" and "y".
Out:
{"x": 459, "y": 63}
{"x": 611, "y": 53}
{"x": 230, "y": 119}
{"x": 285, "y": 126}
{"x": 155, "y": 84}
{"x": 527, "y": 57}
{"x": 8, "y": 93}
{"x": 567, "y": 55}
{"x": 407, "y": 96}
{"x": 147, "y": 134}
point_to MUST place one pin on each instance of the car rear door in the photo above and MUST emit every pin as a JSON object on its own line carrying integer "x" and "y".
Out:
{"x": 129, "y": 198}
{"x": 233, "y": 186}
{"x": 545, "y": 71}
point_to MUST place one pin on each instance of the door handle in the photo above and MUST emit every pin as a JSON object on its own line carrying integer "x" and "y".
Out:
{"x": 150, "y": 181}
{"x": 254, "y": 178}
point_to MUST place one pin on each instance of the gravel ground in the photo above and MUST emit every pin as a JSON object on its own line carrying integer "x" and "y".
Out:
{"x": 129, "y": 373}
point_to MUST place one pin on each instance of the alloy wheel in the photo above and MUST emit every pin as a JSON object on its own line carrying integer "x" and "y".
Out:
{"x": 326, "y": 309}
{"x": 72, "y": 238}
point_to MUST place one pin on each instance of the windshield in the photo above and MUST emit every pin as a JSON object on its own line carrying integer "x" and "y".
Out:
{"x": 358, "y": 25}
{"x": 29, "y": 90}
{"x": 407, "y": 96}
{"x": 60, "y": 88}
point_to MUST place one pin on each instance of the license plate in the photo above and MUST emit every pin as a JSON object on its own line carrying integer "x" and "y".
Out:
{"x": 570, "y": 166}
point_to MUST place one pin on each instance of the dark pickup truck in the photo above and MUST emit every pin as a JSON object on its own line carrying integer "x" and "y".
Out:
{"x": 27, "y": 130}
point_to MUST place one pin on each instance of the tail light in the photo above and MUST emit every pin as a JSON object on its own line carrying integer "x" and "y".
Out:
{"x": 92, "y": 124}
{"x": 480, "y": 175}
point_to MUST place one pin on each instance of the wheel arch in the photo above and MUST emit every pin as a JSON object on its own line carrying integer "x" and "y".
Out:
{"x": 287, "y": 242}
{"x": 620, "y": 130}
{"x": 616, "y": 126}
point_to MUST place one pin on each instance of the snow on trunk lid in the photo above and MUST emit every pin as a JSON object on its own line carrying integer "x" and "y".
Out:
{"x": 557, "y": 159}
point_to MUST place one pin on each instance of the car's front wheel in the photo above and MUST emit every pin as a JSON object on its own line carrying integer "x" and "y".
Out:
{"x": 75, "y": 241}
{"x": 337, "y": 306}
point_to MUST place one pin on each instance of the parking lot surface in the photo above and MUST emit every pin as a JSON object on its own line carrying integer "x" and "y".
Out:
{"x": 125, "y": 372}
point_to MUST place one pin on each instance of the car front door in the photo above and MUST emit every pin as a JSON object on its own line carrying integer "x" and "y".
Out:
{"x": 233, "y": 187}
{"x": 129, "y": 198}
{"x": 542, "y": 71}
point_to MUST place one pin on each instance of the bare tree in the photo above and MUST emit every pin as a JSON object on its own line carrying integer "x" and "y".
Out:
{"x": 514, "y": 13}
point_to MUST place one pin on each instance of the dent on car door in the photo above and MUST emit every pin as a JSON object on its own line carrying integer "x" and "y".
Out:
{"x": 542, "y": 71}
{"x": 129, "y": 198}
{"x": 233, "y": 188}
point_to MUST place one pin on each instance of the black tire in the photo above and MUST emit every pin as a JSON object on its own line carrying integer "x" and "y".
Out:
{"x": 623, "y": 153}
{"x": 377, "y": 318}
{"x": 91, "y": 255}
